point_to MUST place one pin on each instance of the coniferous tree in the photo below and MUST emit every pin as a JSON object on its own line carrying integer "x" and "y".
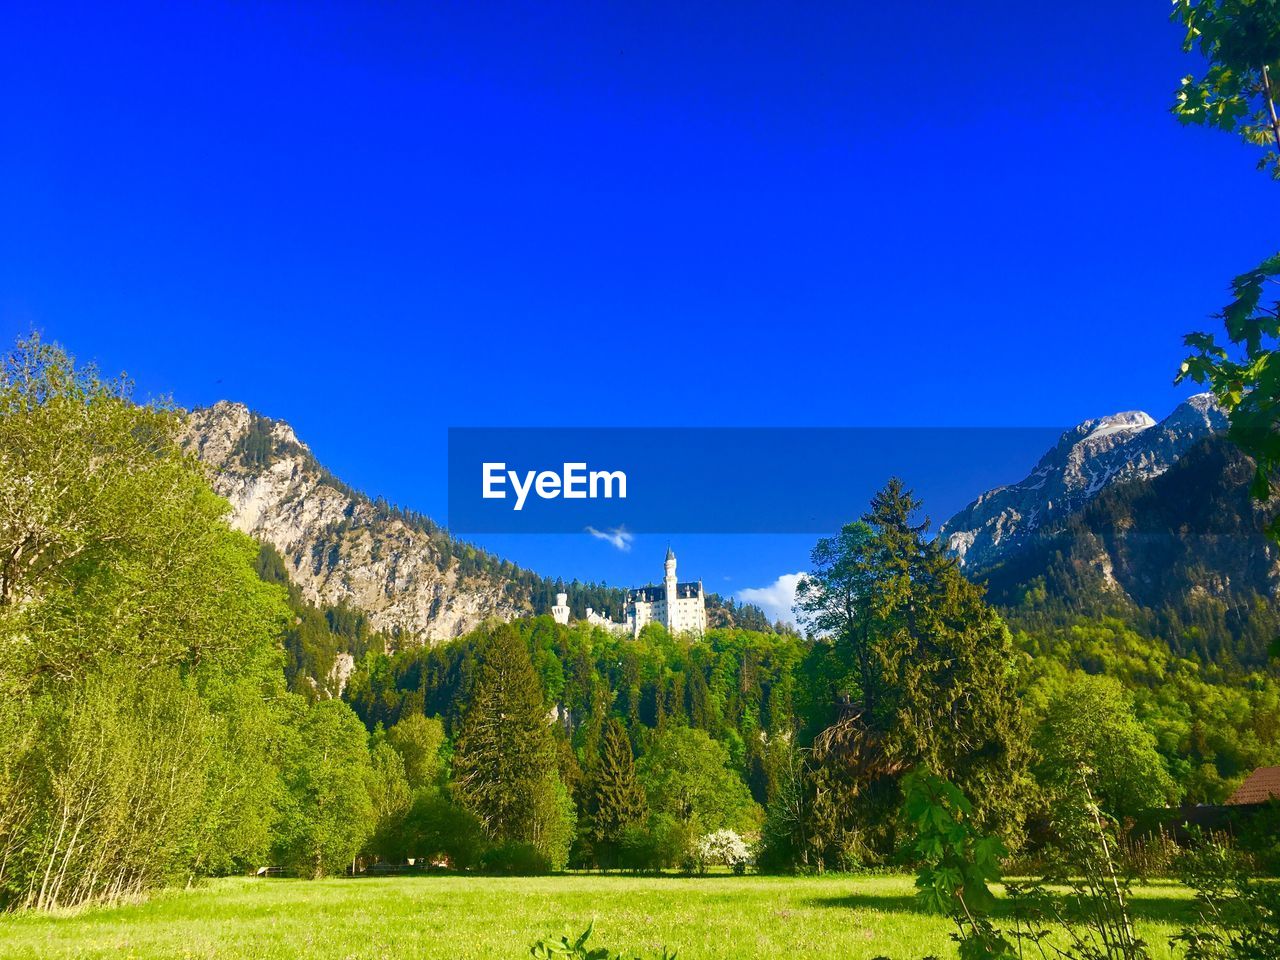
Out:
{"x": 505, "y": 748}
{"x": 618, "y": 800}
{"x": 927, "y": 673}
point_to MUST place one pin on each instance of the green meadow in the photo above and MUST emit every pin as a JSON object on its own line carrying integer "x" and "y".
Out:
{"x": 849, "y": 917}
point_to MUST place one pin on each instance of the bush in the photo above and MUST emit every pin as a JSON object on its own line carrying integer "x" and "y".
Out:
{"x": 1154, "y": 855}
{"x": 1259, "y": 837}
{"x": 515, "y": 858}
{"x": 724, "y": 848}
{"x": 958, "y": 864}
{"x": 1239, "y": 914}
{"x": 661, "y": 842}
{"x": 436, "y": 829}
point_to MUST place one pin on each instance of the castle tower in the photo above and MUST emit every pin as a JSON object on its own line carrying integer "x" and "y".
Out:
{"x": 669, "y": 585}
{"x": 560, "y": 612}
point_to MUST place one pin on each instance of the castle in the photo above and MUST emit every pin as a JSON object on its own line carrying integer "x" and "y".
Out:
{"x": 680, "y": 607}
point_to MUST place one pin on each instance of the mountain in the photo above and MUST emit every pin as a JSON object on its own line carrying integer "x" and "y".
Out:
{"x": 1180, "y": 556}
{"x": 1125, "y": 517}
{"x": 340, "y": 547}
{"x": 1087, "y": 459}
{"x": 345, "y": 554}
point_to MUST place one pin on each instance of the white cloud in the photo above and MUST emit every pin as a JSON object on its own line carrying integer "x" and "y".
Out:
{"x": 618, "y": 536}
{"x": 777, "y": 599}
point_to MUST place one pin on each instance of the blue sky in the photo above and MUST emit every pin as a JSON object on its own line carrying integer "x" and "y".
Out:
{"x": 380, "y": 220}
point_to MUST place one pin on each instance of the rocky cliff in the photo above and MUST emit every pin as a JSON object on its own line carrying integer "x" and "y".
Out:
{"x": 339, "y": 546}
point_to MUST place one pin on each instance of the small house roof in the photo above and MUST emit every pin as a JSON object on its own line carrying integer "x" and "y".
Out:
{"x": 1258, "y": 787}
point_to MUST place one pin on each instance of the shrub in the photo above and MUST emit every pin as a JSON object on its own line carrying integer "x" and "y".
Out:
{"x": 1259, "y": 836}
{"x": 724, "y": 848}
{"x": 958, "y": 863}
{"x": 1154, "y": 855}
{"x": 662, "y": 841}
{"x": 436, "y": 829}
{"x": 1239, "y": 915}
{"x": 515, "y": 858}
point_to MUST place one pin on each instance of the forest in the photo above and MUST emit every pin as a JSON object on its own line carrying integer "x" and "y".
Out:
{"x": 155, "y": 660}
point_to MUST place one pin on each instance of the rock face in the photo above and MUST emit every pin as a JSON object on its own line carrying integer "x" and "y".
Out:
{"x": 338, "y": 545}
{"x": 1086, "y": 460}
{"x": 1182, "y": 556}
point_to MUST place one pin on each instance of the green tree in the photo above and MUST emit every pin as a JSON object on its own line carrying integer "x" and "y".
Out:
{"x": 390, "y": 797}
{"x": 116, "y": 789}
{"x": 1090, "y": 725}
{"x": 112, "y": 545}
{"x": 139, "y": 651}
{"x": 833, "y": 602}
{"x": 328, "y": 813}
{"x": 554, "y": 819}
{"x": 420, "y": 742}
{"x": 930, "y": 680}
{"x": 617, "y": 799}
{"x": 687, "y": 776}
{"x": 437, "y": 830}
{"x": 505, "y": 748}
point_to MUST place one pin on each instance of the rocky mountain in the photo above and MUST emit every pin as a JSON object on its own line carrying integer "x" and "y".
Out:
{"x": 340, "y": 547}
{"x": 395, "y": 569}
{"x": 1181, "y": 555}
{"x": 1087, "y": 459}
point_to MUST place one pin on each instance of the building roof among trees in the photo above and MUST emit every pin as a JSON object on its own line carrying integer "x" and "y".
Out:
{"x": 652, "y": 594}
{"x": 1259, "y": 787}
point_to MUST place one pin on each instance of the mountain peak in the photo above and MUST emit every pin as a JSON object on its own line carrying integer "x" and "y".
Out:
{"x": 1086, "y": 459}
{"x": 1129, "y": 422}
{"x": 338, "y": 545}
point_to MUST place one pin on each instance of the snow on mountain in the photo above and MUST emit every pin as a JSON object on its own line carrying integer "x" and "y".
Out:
{"x": 1086, "y": 459}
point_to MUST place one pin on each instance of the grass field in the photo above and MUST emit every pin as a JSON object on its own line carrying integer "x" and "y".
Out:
{"x": 472, "y": 917}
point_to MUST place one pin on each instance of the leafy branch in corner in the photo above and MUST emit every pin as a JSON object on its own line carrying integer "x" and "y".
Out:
{"x": 1240, "y": 39}
{"x": 1245, "y": 379}
{"x": 957, "y": 862}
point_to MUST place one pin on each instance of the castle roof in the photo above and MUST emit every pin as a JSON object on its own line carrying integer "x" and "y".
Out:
{"x": 652, "y": 594}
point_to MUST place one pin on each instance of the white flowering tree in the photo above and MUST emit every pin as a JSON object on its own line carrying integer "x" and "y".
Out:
{"x": 723, "y": 848}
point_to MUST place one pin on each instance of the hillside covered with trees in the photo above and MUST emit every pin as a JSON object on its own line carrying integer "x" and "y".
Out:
{"x": 170, "y": 708}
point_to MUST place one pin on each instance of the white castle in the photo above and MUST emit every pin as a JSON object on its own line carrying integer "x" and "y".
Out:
{"x": 680, "y": 607}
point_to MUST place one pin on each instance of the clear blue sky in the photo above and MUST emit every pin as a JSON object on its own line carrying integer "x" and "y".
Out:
{"x": 377, "y": 220}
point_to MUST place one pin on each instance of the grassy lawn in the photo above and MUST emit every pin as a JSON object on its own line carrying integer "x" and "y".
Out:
{"x": 850, "y": 918}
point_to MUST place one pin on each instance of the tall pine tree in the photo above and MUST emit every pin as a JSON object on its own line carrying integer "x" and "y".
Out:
{"x": 505, "y": 749}
{"x": 928, "y": 673}
{"x": 618, "y": 800}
